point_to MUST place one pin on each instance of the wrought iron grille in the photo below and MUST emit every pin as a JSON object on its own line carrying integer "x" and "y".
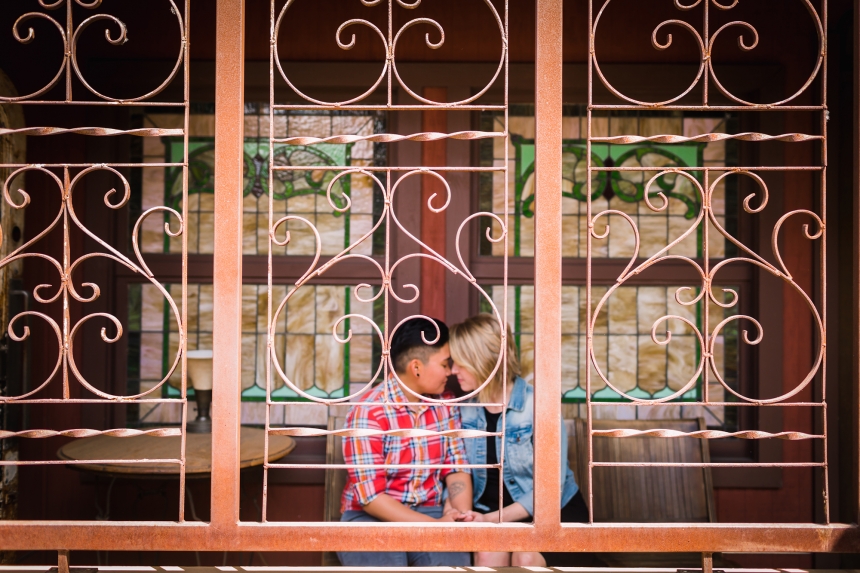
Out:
{"x": 225, "y": 531}
{"x": 388, "y": 179}
{"x": 658, "y": 199}
{"x": 76, "y": 90}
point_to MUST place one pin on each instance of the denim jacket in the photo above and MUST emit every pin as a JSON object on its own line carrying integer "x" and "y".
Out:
{"x": 518, "y": 469}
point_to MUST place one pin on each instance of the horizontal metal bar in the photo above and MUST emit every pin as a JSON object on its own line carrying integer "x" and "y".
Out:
{"x": 711, "y": 168}
{"x": 335, "y": 536}
{"x": 621, "y": 107}
{"x": 707, "y": 138}
{"x": 85, "y": 462}
{"x": 393, "y": 404}
{"x": 702, "y": 434}
{"x": 367, "y": 432}
{"x": 92, "y": 131}
{"x": 88, "y": 433}
{"x": 383, "y": 169}
{"x": 707, "y": 465}
{"x": 383, "y": 107}
{"x": 10, "y": 401}
{"x": 382, "y": 466}
{"x": 775, "y": 404}
{"x": 85, "y": 165}
{"x": 390, "y": 137}
{"x": 100, "y": 103}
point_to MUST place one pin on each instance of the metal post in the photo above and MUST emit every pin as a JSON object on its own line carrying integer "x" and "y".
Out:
{"x": 548, "y": 111}
{"x": 227, "y": 338}
{"x": 707, "y": 563}
{"x": 63, "y": 561}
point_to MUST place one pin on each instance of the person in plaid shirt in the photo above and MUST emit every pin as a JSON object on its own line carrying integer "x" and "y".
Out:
{"x": 405, "y": 494}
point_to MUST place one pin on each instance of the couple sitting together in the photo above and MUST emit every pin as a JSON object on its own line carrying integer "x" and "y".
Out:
{"x": 451, "y": 494}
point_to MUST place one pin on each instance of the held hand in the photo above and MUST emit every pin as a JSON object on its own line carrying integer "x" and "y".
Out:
{"x": 472, "y": 516}
{"x": 451, "y": 516}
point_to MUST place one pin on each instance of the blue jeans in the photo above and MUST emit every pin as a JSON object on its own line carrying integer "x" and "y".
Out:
{"x": 399, "y": 558}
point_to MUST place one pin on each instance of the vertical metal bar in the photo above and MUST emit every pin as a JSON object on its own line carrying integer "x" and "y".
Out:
{"x": 63, "y": 561}
{"x": 183, "y": 328}
{"x": 823, "y": 300}
{"x": 227, "y": 338}
{"x": 707, "y": 563}
{"x": 588, "y": 330}
{"x": 70, "y": 32}
{"x": 66, "y": 262}
{"x": 548, "y": 175}
{"x": 270, "y": 337}
{"x": 706, "y": 265}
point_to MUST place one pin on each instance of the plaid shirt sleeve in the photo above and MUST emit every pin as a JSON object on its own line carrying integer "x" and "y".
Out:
{"x": 455, "y": 449}
{"x": 367, "y": 484}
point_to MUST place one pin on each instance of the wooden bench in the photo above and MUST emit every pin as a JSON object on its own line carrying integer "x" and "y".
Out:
{"x": 643, "y": 494}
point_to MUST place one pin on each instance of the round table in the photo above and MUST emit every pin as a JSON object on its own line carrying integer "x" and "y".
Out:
{"x": 198, "y": 454}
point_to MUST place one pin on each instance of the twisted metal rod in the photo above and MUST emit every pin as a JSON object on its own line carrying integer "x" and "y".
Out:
{"x": 87, "y": 433}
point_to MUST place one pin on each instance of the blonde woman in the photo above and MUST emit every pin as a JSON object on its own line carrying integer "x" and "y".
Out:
{"x": 474, "y": 346}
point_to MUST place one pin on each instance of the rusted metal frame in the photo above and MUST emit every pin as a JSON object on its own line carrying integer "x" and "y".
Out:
{"x": 227, "y": 276}
{"x": 549, "y": 60}
{"x": 248, "y": 536}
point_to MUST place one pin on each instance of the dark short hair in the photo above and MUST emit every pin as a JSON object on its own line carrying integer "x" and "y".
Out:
{"x": 407, "y": 344}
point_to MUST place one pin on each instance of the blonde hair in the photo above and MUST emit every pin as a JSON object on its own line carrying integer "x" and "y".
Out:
{"x": 474, "y": 346}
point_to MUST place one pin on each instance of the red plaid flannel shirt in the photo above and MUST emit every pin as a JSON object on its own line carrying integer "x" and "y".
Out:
{"x": 411, "y": 487}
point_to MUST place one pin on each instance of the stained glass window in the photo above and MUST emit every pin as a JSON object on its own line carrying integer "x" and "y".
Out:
{"x": 624, "y": 350}
{"x": 314, "y": 359}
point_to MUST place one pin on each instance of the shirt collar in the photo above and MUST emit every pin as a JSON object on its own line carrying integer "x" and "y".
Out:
{"x": 518, "y": 395}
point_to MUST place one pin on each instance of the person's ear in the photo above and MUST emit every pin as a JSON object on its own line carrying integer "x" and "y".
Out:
{"x": 415, "y": 367}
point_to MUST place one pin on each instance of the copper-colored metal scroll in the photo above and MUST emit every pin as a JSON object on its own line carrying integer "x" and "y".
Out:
{"x": 67, "y": 177}
{"x": 704, "y": 292}
{"x": 388, "y": 180}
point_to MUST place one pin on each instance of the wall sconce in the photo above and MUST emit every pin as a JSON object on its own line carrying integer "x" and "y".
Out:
{"x": 200, "y": 375}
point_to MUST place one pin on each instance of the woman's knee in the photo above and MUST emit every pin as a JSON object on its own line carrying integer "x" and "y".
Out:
{"x": 492, "y": 559}
{"x": 528, "y": 559}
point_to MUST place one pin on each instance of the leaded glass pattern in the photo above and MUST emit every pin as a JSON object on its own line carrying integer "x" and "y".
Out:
{"x": 623, "y": 344}
{"x": 322, "y": 366}
{"x": 300, "y": 193}
{"x": 304, "y": 338}
{"x": 620, "y": 191}
{"x": 624, "y": 348}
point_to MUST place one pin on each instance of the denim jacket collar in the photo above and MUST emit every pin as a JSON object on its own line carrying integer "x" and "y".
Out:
{"x": 518, "y": 395}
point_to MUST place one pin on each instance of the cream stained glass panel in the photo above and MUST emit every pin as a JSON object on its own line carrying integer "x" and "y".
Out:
{"x": 624, "y": 350}
{"x": 317, "y": 362}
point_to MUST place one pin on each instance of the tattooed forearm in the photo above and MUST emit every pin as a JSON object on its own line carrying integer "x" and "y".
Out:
{"x": 456, "y": 489}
